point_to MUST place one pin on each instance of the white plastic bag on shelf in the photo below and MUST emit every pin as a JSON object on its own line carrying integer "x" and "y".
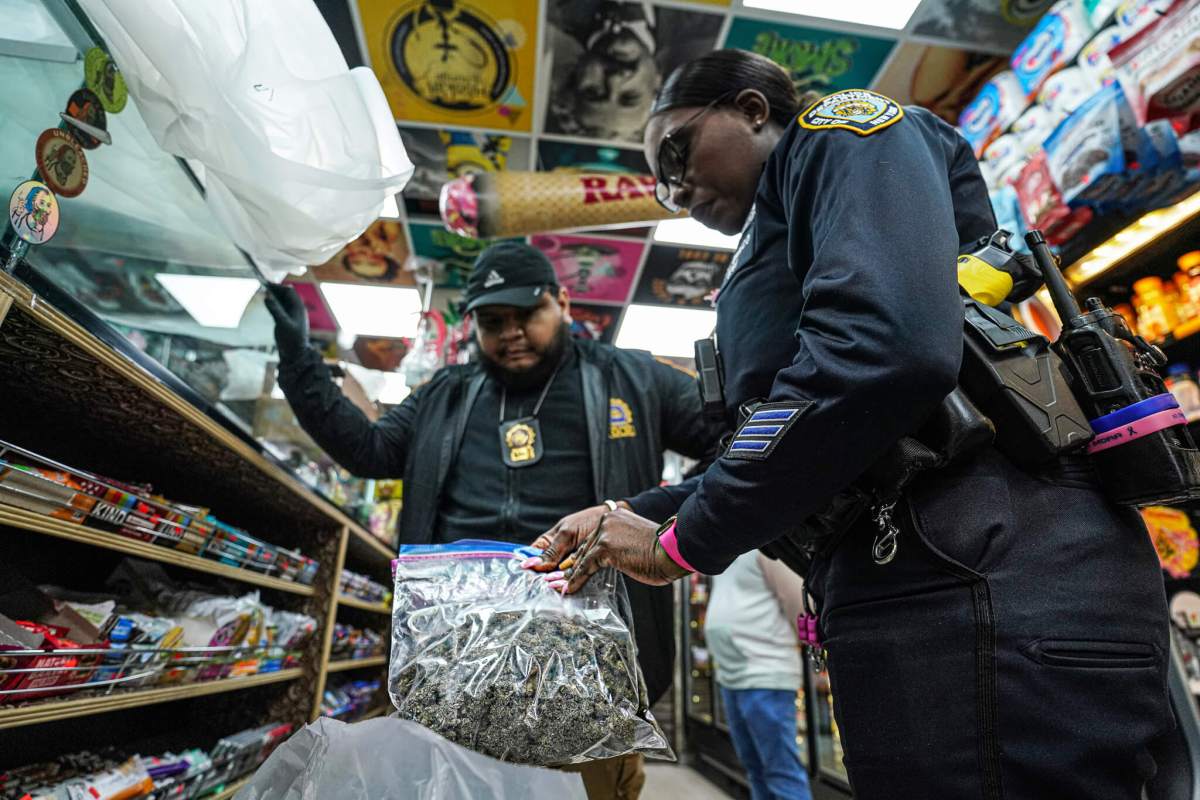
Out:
{"x": 299, "y": 152}
{"x": 397, "y": 760}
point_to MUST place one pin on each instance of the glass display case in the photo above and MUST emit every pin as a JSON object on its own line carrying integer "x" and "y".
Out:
{"x": 138, "y": 257}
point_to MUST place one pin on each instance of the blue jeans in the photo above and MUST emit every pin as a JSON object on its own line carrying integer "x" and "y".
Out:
{"x": 762, "y": 723}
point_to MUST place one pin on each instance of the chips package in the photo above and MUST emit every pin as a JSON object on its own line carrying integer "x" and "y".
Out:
{"x": 1093, "y": 58}
{"x": 1067, "y": 90}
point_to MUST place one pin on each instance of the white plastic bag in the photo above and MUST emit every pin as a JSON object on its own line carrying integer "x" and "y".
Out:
{"x": 299, "y": 152}
{"x": 393, "y": 759}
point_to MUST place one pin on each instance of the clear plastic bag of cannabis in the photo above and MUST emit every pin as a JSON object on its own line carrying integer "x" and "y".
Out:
{"x": 487, "y": 655}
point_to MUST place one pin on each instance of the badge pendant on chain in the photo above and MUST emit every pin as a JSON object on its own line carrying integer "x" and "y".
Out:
{"x": 521, "y": 442}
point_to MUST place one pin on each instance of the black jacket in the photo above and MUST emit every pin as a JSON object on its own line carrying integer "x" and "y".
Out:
{"x": 841, "y": 311}
{"x": 419, "y": 439}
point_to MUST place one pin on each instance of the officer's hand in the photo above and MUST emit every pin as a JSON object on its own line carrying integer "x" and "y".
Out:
{"x": 628, "y": 543}
{"x": 291, "y": 321}
{"x": 565, "y": 536}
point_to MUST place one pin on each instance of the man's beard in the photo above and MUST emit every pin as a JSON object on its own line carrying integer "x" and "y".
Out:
{"x": 536, "y": 376}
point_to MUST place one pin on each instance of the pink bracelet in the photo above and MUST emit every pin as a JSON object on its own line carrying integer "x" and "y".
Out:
{"x": 1136, "y": 430}
{"x": 669, "y": 543}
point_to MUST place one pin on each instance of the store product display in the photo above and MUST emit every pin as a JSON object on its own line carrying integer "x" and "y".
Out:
{"x": 38, "y": 484}
{"x": 113, "y": 775}
{"x": 349, "y": 700}
{"x": 1103, "y": 115}
{"x": 350, "y": 643}
{"x": 363, "y": 588}
{"x": 487, "y": 655}
{"x": 82, "y": 642}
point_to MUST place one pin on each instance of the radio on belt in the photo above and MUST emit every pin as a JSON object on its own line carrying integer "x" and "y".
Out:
{"x": 1142, "y": 450}
{"x": 708, "y": 370}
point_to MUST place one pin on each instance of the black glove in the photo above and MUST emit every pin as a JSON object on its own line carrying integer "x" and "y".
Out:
{"x": 291, "y": 321}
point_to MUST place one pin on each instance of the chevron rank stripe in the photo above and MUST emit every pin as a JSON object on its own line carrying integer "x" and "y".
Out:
{"x": 764, "y": 429}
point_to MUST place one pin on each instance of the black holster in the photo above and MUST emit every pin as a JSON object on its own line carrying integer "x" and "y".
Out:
{"x": 956, "y": 429}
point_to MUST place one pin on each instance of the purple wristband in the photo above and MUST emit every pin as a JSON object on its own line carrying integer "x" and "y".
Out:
{"x": 668, "y": 542}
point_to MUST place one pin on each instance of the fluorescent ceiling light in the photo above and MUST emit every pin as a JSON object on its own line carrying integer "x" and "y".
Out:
{"x": 213, "y": 301}
{"x": 665, "y": 331}
{"x": 878, "y": 13}
{"x": 391, "y": 208}
{"x": 374, "y": 310}
{"x": 688, "y": 231}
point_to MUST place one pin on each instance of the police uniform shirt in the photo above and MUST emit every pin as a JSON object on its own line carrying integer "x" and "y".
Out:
{"x": 485, "y": 499}
{"x": 840, "y": 310}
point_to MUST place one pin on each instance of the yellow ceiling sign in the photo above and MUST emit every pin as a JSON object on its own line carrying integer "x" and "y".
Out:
{"x": 455, "y": 62}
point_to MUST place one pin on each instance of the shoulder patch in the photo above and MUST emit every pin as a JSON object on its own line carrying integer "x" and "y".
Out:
{"x": 764, "y": 429}
{"x": 858, "y": 110}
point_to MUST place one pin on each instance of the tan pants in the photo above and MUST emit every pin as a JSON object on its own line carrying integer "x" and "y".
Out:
{"x": 619, "y": 778}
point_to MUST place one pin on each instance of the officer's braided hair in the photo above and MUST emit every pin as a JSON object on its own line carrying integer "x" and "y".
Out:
{"x": 726, "y": 72}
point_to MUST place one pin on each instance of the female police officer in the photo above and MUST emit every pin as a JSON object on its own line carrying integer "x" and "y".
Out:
{"x": 1013, "y": 642}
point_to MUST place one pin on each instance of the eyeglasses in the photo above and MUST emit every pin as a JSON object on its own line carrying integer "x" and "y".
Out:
{"x": 673, "y": 156}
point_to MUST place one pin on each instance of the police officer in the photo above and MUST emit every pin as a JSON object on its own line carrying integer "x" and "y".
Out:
{"x": 996, "y": 634}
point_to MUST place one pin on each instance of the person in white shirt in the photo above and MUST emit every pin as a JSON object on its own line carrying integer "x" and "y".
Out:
{"x": 751, "y": 634}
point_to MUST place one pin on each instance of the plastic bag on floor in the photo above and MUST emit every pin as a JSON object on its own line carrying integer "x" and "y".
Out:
{"x": 392, "y": 759}
{"x": 489, "y": 656}
{"x": 298, "y": 152}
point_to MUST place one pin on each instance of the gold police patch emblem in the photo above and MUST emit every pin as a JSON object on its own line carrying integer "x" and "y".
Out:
{"x": 620, "y": 419}
{"x": 857, "y": 110}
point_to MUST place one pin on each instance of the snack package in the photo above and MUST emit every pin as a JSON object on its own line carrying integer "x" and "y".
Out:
{"x": 1008, "y": 214}
{"x": 1134, "y": 15}
{"x": 1004, "y": 158}
{"x": 1067, "y": 90}
{"x": 1042, "y": 204}
{"x": 1159, "y": 68}
{"x": 998, "y": 105}
{"x": 1084, "y": 155}
{"x": 485, "y": 654}
{"x": 1094, "y": 60}
{"x": 1099, "y": 11}
{"x": 1052, "y": 44}
{"x": 1034, "y": 128}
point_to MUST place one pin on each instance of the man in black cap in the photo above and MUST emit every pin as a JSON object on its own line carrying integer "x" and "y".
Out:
{"x": 543, "y": 425}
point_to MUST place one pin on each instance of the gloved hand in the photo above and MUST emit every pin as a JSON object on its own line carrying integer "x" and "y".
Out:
{"x": 291, "y": 321}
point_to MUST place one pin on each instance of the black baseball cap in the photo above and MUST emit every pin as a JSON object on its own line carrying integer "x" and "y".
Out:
{"x": 509, "y": 274}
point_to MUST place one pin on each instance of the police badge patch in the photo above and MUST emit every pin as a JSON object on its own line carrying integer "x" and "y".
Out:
{"x": 855, "y": 110}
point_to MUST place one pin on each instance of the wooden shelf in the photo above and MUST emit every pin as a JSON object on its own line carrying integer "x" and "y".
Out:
{"x": 356, "y": 663}
{"x": 354, "y": 602}
{"x": 60, "y": 709}
{"x": 373, "y": 713}
{"x": 230, "y": 790}
{"x": 367, "y": 547}
{"x": 27, "y": 520}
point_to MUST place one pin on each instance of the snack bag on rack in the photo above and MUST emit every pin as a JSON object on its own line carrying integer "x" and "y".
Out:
{"x": 487, "y": 655}
{"x": 1094, "y": 59}
{"x": 1052, "y": 44}
{"x": 1159, "y": 68}
{"x": 998, "y": 104}
{"x": 1084, "y": 154}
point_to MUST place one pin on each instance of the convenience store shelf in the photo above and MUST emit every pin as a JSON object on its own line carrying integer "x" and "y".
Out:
{"x": 368, "y": 548}
{"x": 356, "y": 663}
{"x": 55, "y": 710}
{"x": 27, "y": 520}
{"x": 230, "y": 790}
{"x": 354, "y": 602}
{"x": 375, "y": 712}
